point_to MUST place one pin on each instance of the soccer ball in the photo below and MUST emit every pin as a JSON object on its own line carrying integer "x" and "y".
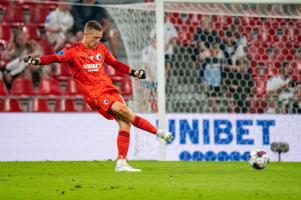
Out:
{"x": 258, "y": 159}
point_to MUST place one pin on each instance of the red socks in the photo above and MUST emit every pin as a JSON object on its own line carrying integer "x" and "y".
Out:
{"x": 144, "y": 124}
{"x": 123, "y": 141}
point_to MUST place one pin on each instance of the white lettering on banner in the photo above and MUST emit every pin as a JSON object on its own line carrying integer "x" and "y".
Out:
{"x": 91, "y": 67}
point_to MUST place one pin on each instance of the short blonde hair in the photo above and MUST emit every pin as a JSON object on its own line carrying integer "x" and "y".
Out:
{"x": 93, "y": 25}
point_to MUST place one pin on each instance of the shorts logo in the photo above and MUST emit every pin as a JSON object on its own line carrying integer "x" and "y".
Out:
{"x": 98, "y": 56}
{"x": 61, "y": 53}
{"x": 106, "y": 101}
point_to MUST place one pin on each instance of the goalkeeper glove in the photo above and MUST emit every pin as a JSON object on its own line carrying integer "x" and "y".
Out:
{"x": 29, "y": 60}
{"x": 138, "y": 73}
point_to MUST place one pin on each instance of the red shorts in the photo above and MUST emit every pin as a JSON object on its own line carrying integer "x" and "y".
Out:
{"x": 104, "y": 103}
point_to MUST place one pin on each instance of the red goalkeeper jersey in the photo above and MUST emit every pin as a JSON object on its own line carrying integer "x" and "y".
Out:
{"x": 87, "y": 67}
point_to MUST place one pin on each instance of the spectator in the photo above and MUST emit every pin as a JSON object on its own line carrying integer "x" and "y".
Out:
{"x": 280, "y": 88}
{"x": 149, "y": 60}
{"x": 206, "y": 35}
{"x": 296, "y": 104}
{"x": 3, "y": 46}
{"x": 240, "y": 87}
{"x": 57, "y": 24}
{"x": 229, "y": 46}
{"x": 204, "y": 51}
{"x": 149, "y": 53}
{"x": 19, "y": 47}
{"x": 149, "y": 56}
{"x": 170, "y": 36}
{"x": 211, "y": 69}
{"x": 92, "y": 11}
{"x": 240, "y": 49}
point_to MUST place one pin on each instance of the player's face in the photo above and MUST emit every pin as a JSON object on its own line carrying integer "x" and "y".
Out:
{"x": 92, "y": 38}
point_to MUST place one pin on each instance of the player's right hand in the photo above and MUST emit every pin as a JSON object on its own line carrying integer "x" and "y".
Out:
{"x": 29, "y": 60}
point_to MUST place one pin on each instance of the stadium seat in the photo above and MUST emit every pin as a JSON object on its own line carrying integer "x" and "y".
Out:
{"x": 171, "y": 18}
{"x": 5, "y": 3}
{"x": 40, "y": 105}
{"x": 14, "y": 15}
{"x": 3, "y": 94}
{"x": 85, "y": 107}
{"x": 71, "y": 89}
{"x": 49, "y": 87}
{"x": 69, "y": 105}
{"x": 22, "y": 87}
{"x": 12, "y": 105}
{"x": 32, "y": 31}
{"x": 62, "y": 71}
{"x": 260, "y": 87}
{"x": 65, "y": 105}
{"x": 39, "y": 14}
{"x": 47, "y": 47}
{"x": 3, "y": 89}
{"x": 258, "y": 106}
{"x": 5, "y": 32}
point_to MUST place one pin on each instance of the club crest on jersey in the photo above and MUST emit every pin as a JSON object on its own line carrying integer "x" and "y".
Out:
{"x": 61, "y": 53}
{"x": 98, "y": 56}
{"x": 106, "y": 101}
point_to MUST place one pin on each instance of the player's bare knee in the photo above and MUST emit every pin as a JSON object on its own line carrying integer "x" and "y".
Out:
{"x": 124, "y": 110}
{"x": 126, "y": 126}
{"x": 123, "y": 124}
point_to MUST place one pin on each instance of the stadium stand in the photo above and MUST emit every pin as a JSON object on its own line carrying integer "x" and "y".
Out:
{"x": 267, "y": 43}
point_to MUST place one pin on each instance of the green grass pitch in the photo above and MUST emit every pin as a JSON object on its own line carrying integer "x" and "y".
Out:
{"x": 158, "y": 180}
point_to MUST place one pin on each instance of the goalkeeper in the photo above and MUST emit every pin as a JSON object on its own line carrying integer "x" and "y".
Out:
{"x": 86, "y": 60}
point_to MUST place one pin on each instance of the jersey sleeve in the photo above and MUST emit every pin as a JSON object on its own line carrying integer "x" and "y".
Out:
{"x": 109, "y": 58}
{"x": 65, "y": 55}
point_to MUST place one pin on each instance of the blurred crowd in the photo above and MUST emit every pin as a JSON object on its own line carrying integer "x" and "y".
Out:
{"x": 213, "y": 63}
{"x": 29, "y": 28}
{"x": 243, "y": 65}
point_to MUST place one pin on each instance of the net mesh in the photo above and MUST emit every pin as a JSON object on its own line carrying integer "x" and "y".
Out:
{"x": 219, "y": 58}
{"x": 226, "y": 58}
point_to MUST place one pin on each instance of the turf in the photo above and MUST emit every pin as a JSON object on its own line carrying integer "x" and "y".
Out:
{"x": 158, "y": 180}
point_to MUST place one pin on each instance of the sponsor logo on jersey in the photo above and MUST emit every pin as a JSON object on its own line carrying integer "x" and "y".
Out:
{"x": 106, "y": 101}
{"x": 61, "y": 53}
{"x": 98, "y": 56}
{"x": 91, "y": 67}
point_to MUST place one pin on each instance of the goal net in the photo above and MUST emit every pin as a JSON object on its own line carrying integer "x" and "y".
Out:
{"x": 219, "y": 58}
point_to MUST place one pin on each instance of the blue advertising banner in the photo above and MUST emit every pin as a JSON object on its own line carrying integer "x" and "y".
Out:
{"x": 222, "y": 137}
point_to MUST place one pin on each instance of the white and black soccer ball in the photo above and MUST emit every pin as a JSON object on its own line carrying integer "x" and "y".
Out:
{"x": 258, "y": 159}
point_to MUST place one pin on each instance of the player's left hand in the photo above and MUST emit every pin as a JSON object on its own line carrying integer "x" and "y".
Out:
{"x": 138, "y": 73}
{"x": 29, "y": 60}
